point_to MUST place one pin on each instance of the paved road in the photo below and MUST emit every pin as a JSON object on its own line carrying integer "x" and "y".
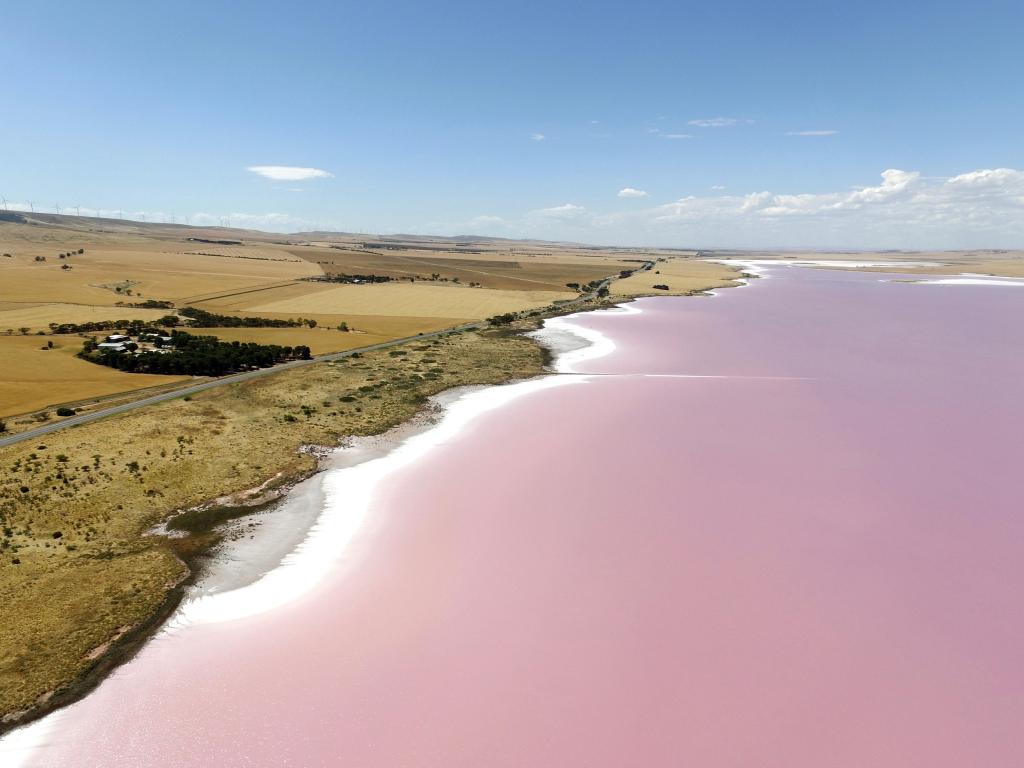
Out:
{"x": 85, "y": 418}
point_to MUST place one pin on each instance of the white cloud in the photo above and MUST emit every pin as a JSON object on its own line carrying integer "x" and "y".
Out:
{"x": 567, "y": 212}
{"x": 812, "y": 133}
{"x": 630, "y": 192}
{"x": 537, "y": 136}
{"x": 677, "y": 135}
{"x": 904, "y": 209}
{"x": 288, "y": 172}
{"x": 718, "y": 187}
{"x": 717, "y": 122}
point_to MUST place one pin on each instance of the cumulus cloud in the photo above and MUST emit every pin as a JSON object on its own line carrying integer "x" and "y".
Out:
{"x": 677, "y": 135}
{"x": 717, "y": 122}
{"x": 630, "y": 192}
{"x": 812, "y": 133}
{"x": 537, "y": 137}
{"x": 904, "y": 209}
{"x": 288, "y": 172}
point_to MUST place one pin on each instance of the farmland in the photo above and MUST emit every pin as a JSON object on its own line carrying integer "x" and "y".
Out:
{"x": 679, "y": 276}
{"x": 36, "y": 377}
{"x": 66, "y": 269}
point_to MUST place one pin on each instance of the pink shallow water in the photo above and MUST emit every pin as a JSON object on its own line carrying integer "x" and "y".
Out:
{"x": 814, "y": 562}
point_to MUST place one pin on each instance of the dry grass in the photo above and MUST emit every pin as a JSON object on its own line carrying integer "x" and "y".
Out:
{"x": 100, "y": 486}
{"x": 681, "y": 275}
{"x": 32, "y": 378}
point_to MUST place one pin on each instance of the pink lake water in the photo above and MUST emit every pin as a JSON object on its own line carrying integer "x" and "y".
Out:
{"x": 809, "y": 554}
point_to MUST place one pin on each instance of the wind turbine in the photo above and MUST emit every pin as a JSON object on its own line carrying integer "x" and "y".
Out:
{"x": 78, "y": 211}
{"x": 4, "y": 199}
{"x": 57, "y": 206}
{"x": 31, "y": 206}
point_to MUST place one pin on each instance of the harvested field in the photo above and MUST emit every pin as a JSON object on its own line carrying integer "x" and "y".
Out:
{"x": 411, "y": 300}
{"x": 37, "y": 317}
{"x": 108, "y": 274}
{"x": 32, "y": 378}
{"x": 319, "y": 340}
{"x": 682, "y": 276}
{"x": 505, "y": 270}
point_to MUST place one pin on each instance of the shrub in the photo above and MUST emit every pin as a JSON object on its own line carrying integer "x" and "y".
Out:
{"x": 63, "y": 411}
{"x": 661, "y": 287}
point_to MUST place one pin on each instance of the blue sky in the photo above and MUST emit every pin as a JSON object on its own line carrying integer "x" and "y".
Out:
{"x": 742, "y": 123}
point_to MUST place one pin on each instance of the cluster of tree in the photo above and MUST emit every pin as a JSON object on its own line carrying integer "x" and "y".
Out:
{"x": 661, "y": 287}
{"x": 132, "y": 326}
{"x": 210, "y": 320}
{"x": 196, "y": 356}
{"x": 504, "y": 319}
{"x": 345, "y": 278}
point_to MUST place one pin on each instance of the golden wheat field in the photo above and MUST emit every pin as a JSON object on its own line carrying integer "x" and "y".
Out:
{"x": 680, "y": 275}
{"x": 412, "y": 300}
{"x": 37, "y": 317}
{"x": 33, "y": 378}
{"x": 504, "y": 269}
